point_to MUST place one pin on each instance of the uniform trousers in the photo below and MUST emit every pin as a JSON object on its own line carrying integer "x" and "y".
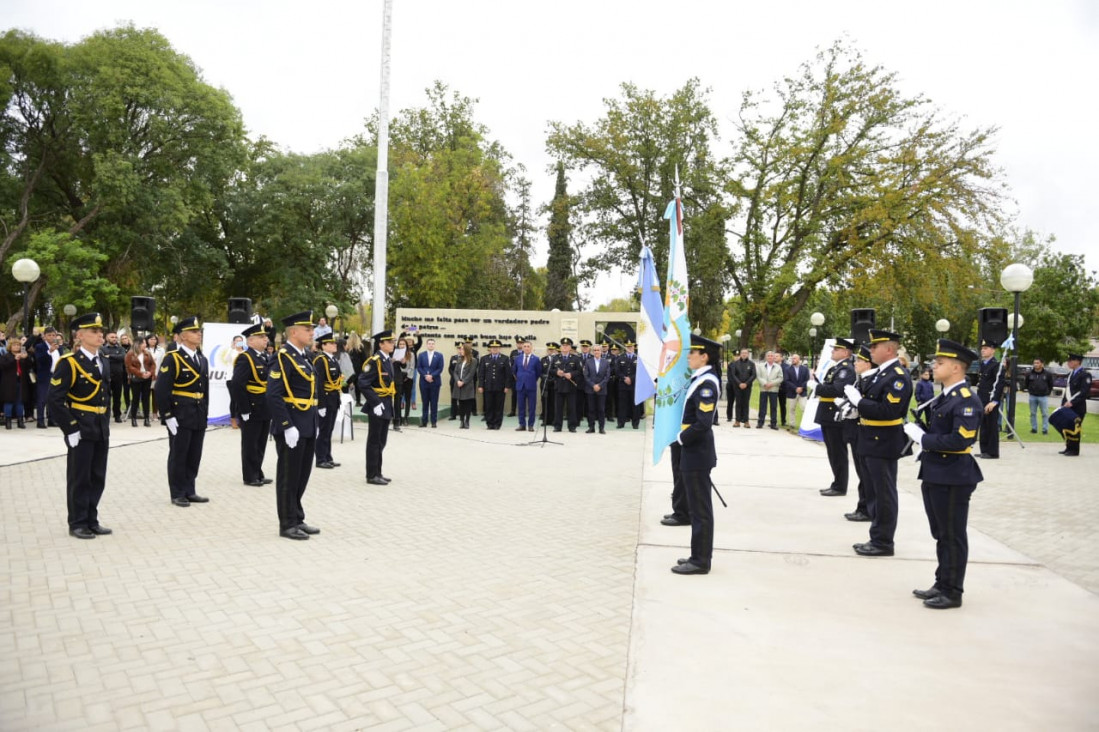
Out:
{"x": 947, "y": 508}
{"x": 851, "y": 437}
{"x": 681, "y": 510}
{"x": 527, "y": 406}
{"x": 697, "y": 486}
{"x": 85, "y": 479}
{"x": 1072, "y": 436}
{"x": 293, "y": 470}
{"x": 253, "y": 447}
{"x": 881, "y": 499}
{"x": 549, "y": 398}
{"x": 597, "y": 409}
{"x": 184, "y": 457}
{"x": 494, "y": 407}
{"x": 118, "y": 386}
{"x": 323, "y": 450}
{"x": 565, "y": 399}
{"x": 377, "y": 434}
{"x": 627, "y": 410}
{"x": 836, "y": 447}
{"x": 990, "y": 433}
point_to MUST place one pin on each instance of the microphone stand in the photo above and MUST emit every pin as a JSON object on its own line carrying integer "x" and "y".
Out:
{"x": 545, "y": 422}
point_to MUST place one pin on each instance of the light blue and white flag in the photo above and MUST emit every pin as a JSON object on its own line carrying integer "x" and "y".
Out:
{"x": 650, "y": 330}
{"x": 673, "y": 374}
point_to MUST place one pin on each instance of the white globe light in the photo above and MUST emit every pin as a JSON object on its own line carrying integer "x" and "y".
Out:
{"x": 331, "y": 311}
{"x": 738, "y": 332}
{"x": 1017, "y": 277}
{"x": 817, "y": 319}
{"x": 813, "y": 332}
{"x": 1019, "y": 322}
{"x": 25, "y": 270}
{"x": 942, "y": 325}
{"x": 69, "y": 310}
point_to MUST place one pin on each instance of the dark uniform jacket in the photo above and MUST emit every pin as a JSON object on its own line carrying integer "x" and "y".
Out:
{"x": 624, "y": 367}
{"x": 183, "y": 389}
{"x": 990, "y": 384}
{"x": 952, "y": 422}
{"x": 882, "y": 412}
{"x": 250, "y": 384}
{"x": 1079, "y": 386}
{"x": 79, "y": 396}
{"x": 292, "y": 393}
{"x": 830, "y": 388}
{"x": 571, "y": 365}
{"x": 494, "y": 373}
{"x": 329, "y": 381}
{"x": 376, "y": 385}
{"x": 697, "y": 431}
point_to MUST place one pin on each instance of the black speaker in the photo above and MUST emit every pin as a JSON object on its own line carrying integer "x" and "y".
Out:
{"x": 142, "y": 313}
{"x": 240, "y": 310}
{"x": 992, "y": 325}
{"x": 862, "y": 320}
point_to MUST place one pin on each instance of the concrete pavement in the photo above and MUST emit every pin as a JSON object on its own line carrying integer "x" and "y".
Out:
{"x": 498, "y": 586}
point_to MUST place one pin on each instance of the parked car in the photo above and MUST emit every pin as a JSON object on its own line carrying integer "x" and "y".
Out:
{"x": 1060, "y": 379}
{"x": 1094, "y": 393}
{"x": 1020, "y": 377}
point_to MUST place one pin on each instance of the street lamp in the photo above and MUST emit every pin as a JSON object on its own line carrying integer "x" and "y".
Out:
{"x": 332, "y": 311}
{"x": 1016, "y": 278}
{"x": 1017, "y": 320}
{"x": 725, "y": 338}
{"x": 813, "y": 347}
{"x": 26, "y": 271}
{"x": 70, "y": 311}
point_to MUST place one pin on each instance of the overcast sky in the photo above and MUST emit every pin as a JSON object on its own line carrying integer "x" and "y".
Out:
{"x": 306, "y": 74}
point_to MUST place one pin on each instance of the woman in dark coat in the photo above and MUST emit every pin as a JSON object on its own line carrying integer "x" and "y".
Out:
{"x": 465, "y": 384}
{"x": 15, "y": 383}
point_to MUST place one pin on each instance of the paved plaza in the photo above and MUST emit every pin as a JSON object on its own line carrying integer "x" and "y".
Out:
{"x": 499, "y": 586}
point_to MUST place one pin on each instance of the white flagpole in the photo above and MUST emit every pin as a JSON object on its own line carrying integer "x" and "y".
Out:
{"x": 381, "y": 181}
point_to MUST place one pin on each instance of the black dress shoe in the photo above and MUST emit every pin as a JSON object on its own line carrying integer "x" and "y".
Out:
{"x": 434, "y": 426}
{"x": 673, "y": 521}
{"x": 588, "y": 431}
{"x": 376, "y": 480}
{"x": 100, "y": 530}
{"x": 682, "y": 560}
{"x": 267, "y": 481}
{"x": 81, "y": 532}
{"x": 558, "y": 429}
{"x": 198, "y": 499}
{"x": 253, "y": 482}
{"x": 423, "y": 424}
{"x": 602, "y": 431}
{"x": 928, "y": 593}
{"x": 871, "y": 550}
{"x": 690, "y": 568}
{"x": 387, "y": 480}
{"x": 333, "y": 463}
{"x": 943, "y": 602}
{"x": 181, "y": 502}
{"x": 520, "y": 428}
{"x": 572, "y": 429}
{"x": 832, "y": 492}
{"x": 326, "y": 465}
{"x": 856, "y": 516}
{"x": 308, "y": 529}
{"x": 294, "y": 533}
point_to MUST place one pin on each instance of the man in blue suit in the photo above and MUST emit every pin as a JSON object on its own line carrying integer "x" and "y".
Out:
{"x": 795, "y": 382}
{"x": 528, "y": 369}
{"x": 597, "y": 373}
{"x": 429, "y": 365}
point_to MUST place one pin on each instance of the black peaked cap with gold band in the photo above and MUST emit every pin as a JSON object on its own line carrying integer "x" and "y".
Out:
{"x": 87, "y": 321}
{"x": 864, "y": 353}
{"x": 303, "y": 318}
{"x": 326, "y": 338}
{"x": 881, "y": 336}
{"x": 566, "y": 342}
{"x": 952, "y": 349}
{"x": 191, "y": 323}
{"x": 495, "y": 344}
{"x": 382, "y": 335}
{"x": 705, "y": 345}
{"x": 256, "y": 329}
{"x": 848, "y": 343}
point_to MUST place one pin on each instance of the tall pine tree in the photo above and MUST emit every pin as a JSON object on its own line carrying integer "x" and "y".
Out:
{"x": 560, "y": 280}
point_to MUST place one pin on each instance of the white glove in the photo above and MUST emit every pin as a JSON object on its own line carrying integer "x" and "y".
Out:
{"x": 73, "y": 439}
{"x": 852, "y": 394}
{"x": 172, "y": 424}
{"x": 291, "y": 437}
{"x": 379, "y": 410}
{"x": 914, "y": 432}
{"x": 245, "y": 417}
{"x": 322, "y": 411}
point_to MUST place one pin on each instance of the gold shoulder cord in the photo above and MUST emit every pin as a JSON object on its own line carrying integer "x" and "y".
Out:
{"x": 300, "y": 403}
{"x": 261, "y": 384}
{"x": 87, "y": 376}
{"x": 383, "y": 390}
{"x": 181, "y": 363}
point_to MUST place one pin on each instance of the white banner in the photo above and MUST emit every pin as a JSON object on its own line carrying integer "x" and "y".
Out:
{"x": 217, "y": 344}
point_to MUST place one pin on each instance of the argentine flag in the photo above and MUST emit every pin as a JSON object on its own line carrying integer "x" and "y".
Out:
{"x": 650, "y": 330}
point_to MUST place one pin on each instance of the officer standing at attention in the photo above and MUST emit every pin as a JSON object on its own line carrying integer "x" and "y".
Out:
{"x": 881, "y": 438}
{"x": 250, "y": 384}
{"x": 376, "y": 385}
{"x": 494, "y": 380}
{"x": 329, "y": 389}
{"x": 1079, "y": 386}
{"x": 698, "y": 456}
{"x": 625, "y": 369}
{"x": 183, "y": 398}
{"x": 948, "y": 471}
{"x": 990, "y": 390}
{"x": 79, "y": 399}
{"x": 863, "y": 365}
{"x": 292, "y": 400}
{"x": 836, "y": 379}
{"x": 567, "y": 369}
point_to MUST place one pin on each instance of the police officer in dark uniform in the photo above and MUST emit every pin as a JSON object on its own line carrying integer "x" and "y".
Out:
{"x": 329, "y": 389}
{"x": 698, "y": 456}
{"x": 611, "y": 353}
{"x": 948, "y": 471}
{"x": 990, "y": 390}
{"x": 183, "y": 397}
{"x": 568, "y": 370}
{"x": 1079, "y": 387}
{"x": 581, "y": 401}
{"x": 494, "y": 380}
{"x": 863, "y": 365}
{"x": 292, "y": 390}
{"x": 882, "y": 410}
{"x": 376, "y": 384}
{"x": 839, "y": 376}
{"x": 250, "y": 384}
{"x": 515, "y": 354}
{"x": 625, "y": 368}
{"x": 549, "y": 393}
{"x": 79, "y": 399}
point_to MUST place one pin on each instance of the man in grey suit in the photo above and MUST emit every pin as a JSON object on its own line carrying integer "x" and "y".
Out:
{"x": 597, "y": 372}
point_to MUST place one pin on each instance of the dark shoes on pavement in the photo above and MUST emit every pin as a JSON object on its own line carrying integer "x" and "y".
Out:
{"x": 832, "y": 492}
{"x": 674, "y": 521}
{"x": 81, "y": 532}
{"x": 306, "y": 528}
{"x": 377, "y": 480}
{"x": 928, "y": 593}
{"x": 686, "y": 566}
{"x": 856, "y": 516}
{"x": 294, "y": 533}
{"x": 328, "y": 465}
{"x": 181, "y": 502}
{"x": 872, "y": 550}
{"x": 943, "y": 602}
{"x": 198, "y": 499}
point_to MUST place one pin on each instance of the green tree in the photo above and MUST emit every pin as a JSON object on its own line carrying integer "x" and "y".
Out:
{"x": 1059, "y": 310}
{"x": 632, "y": 154}
{"x": 560, "y": 277}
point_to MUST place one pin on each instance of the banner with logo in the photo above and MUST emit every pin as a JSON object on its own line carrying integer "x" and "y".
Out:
{"x": 218, "y": 341}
